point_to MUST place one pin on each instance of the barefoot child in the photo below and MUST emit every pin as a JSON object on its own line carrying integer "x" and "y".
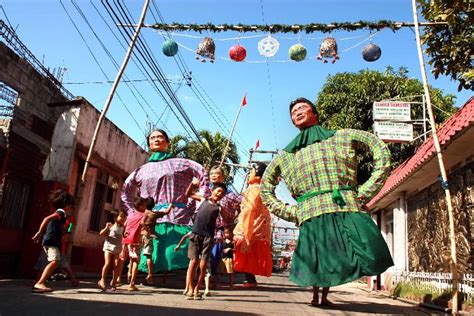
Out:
{"x": 148, "y": 233}
{"x": 176, "y": 249}
{"x": 52, "y": 227}
{"x": 131, "y": 242}
{"x": 112, "y": 248}
{"x": 200, "y": 242}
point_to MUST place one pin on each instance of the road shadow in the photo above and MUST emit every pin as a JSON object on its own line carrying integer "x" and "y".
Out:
{"x": 41, "y": 304}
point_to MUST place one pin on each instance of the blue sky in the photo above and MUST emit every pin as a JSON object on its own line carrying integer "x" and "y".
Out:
{"x": 47, "y": 31}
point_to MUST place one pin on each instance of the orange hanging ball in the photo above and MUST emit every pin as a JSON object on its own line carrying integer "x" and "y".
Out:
{"x": 237, "y": 53}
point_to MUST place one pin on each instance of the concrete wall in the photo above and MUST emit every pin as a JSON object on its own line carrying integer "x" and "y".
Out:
{"x": 29, "y": 141}
{"x": 113, "y": 145}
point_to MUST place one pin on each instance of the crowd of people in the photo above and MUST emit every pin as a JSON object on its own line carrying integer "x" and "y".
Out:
{"x": 175, "y": 216}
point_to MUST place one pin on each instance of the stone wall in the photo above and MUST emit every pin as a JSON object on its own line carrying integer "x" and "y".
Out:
{"x": 428, "y": 224}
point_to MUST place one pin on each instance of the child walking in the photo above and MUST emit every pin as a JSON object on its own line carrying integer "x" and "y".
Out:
{"x": 148, "y": 234}
{"x": 52, "y": 229}
{"x": 201, "y": 239}
{"x": 112, "y": 248}
{"x": 131, "y": 242}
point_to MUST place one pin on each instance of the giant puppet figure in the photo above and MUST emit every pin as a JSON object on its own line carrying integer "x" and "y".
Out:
{"x": 338, "y": 241}
{"x": 165, "y": 179}
{"x": 252, "y": 234}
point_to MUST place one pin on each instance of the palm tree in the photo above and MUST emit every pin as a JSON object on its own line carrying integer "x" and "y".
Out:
{"x": 209, "y": 152}
{"x": 178, "y": 145}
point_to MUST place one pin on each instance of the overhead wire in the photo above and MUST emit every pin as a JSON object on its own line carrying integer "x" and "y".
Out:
{"x": 100, "y": 67}
{"x": 142, "y": 68}
{"x": 198, "y": 90}
{"x": 131, "y": 86}
{"x": 156, "y": 73}
{"x": 143, "y": 50}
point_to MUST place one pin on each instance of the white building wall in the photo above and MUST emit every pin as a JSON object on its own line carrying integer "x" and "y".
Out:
{"x": 58, "y": 164}
{"x": 400, "y": 241}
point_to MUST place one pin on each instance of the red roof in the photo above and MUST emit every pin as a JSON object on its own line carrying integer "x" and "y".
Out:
{"x": 456, "y": 123}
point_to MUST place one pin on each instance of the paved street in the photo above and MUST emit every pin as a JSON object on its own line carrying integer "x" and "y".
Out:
{"x": 274, "y": 296}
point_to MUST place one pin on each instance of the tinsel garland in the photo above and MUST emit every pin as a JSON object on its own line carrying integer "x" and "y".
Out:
{"x": 281, "y": 28}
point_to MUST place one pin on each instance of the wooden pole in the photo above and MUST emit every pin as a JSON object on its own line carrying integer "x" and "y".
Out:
{"x": 230, "y": 136}
{"x": 452, "y": 228}
{"x": 114, "y": 87}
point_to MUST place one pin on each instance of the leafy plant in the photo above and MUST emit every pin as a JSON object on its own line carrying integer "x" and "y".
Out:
{"x": 450, "y": 46}
{"x": 346, "y": 101}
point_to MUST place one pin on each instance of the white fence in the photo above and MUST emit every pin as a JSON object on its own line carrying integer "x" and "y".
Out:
{"x": 438, "y": 282}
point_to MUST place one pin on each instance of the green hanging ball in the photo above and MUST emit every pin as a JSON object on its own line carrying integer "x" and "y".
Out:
{"x": 297, "y": 52}
{"x": 170, "y": 48}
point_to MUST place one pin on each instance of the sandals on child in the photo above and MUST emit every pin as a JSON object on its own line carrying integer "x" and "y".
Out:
{"x": 133, "y": 288}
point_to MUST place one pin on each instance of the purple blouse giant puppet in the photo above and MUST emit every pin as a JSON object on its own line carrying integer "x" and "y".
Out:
{"x": 165, "y": 179}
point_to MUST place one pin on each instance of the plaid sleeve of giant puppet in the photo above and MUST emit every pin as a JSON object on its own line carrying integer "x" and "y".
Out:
{"x": 270, "y": 180}
{"x": 381, "y": 157}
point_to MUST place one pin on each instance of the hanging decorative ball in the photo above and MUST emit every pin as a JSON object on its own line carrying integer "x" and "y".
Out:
{"x": 328, "y": 50}
{"x": 206, "y": 50}
{"x": 237, "y": 53}
{"x": 268, "y": 46}
{"x": 170, "y": 48}
{"x": 371, "y": 52}
{"x": 297, "y": 52}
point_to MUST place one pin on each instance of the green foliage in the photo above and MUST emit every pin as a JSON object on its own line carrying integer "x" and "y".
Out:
{"x": 177, "y": 146}
{"x": 346, "y": 101}
{"x": 208, "y": 153}
{"x": 427, "y": 294}
{"x": 280, "y": 28}
{"x": 450, "y": 46}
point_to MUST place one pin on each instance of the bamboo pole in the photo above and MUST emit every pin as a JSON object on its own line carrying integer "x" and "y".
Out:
{"x": 230, "y": 136}
{"x": 452, "y": 228}
{"x": 114, "y": 88}
{"x": 82, "y": 184}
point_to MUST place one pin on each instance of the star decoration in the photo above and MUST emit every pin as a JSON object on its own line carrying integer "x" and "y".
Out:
{"x": 268, "y": 46}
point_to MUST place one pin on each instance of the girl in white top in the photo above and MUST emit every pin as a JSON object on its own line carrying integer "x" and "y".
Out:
{"x": 112, "y": 248}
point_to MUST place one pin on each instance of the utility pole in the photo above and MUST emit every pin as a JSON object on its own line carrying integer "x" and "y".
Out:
{"x": 444, "y": 178}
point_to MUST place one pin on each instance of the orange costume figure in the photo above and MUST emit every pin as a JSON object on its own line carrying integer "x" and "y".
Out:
{"x": 252, "y": 235}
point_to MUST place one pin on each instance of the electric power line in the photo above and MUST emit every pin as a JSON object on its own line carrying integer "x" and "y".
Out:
{"x": 99, "y": 65}
{"x": 149, "y": 59}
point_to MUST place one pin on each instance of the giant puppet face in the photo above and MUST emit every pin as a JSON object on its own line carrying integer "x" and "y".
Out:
{"x": 216, "y": 175}
{"x": 302, "y": 115}
{"x": 158, "y": 142}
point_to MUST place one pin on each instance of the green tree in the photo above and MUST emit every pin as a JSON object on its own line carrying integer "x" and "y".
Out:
{"x": 178, "y": 145}
{"x": 450, "y": 46}
{"x": 209, "y": 152}
{"x": 346, "y": 101}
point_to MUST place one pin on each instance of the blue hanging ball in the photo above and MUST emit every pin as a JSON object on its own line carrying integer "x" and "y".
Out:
{"x": 371, "y": 53}
{"x": 170, "y": 48}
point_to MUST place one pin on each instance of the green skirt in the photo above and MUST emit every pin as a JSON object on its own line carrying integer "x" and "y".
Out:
{"x": 164, "y": 258}
{"x": 337, "y": 248}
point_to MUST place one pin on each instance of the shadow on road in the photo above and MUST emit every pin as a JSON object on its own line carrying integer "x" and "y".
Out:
{"x": 48, "y": 305}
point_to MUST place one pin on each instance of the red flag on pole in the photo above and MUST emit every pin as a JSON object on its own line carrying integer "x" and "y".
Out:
{"x": 257, "y": 144}
{"x": 244, "y": 100}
